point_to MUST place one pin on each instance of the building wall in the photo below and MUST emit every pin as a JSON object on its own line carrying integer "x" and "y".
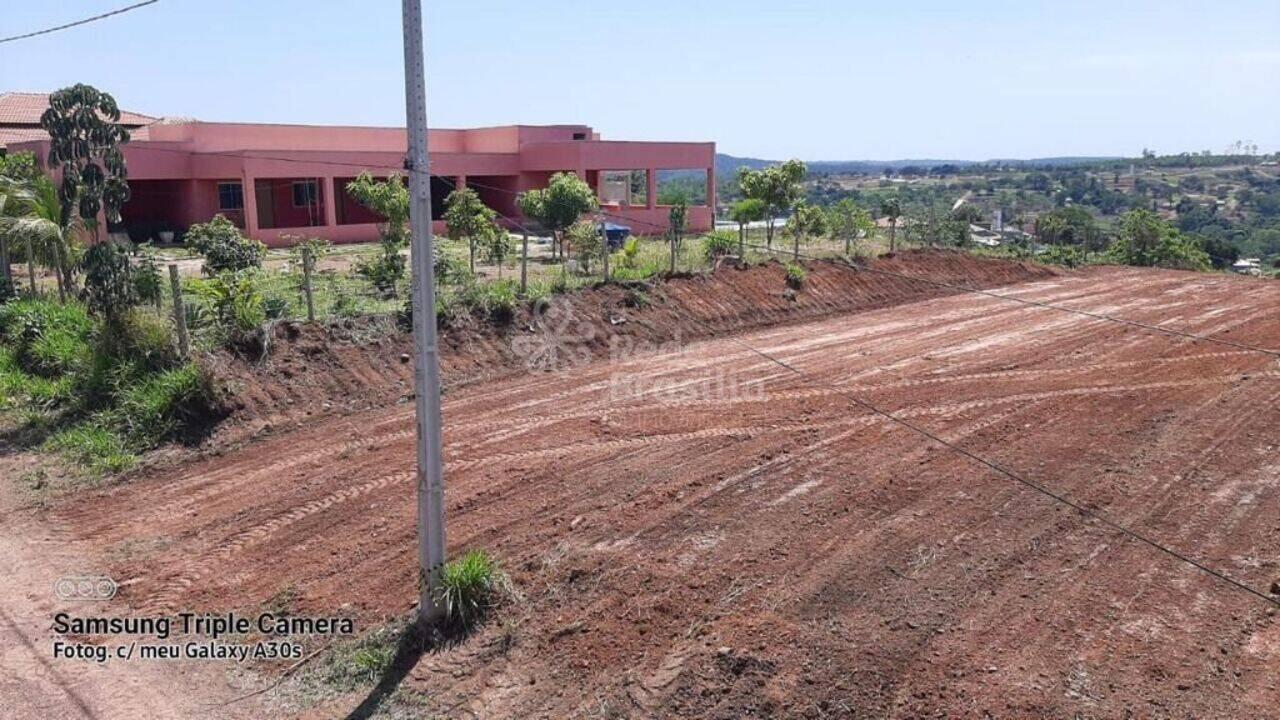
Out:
{"x": 185, "y": 161}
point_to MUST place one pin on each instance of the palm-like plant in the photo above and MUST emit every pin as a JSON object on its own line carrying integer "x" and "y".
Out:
{"x": 891, "y": 208}
{"x": 33, "y": 218}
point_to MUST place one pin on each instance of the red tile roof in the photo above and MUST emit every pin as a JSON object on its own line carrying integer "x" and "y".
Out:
{"x": 20, "y": 108}
{"x": 9, "y": 136}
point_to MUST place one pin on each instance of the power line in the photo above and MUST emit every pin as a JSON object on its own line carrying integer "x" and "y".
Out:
{"x": 866, "y": 405}
{"x": 77, "y": 23}
{"x": 1056, "y": 496}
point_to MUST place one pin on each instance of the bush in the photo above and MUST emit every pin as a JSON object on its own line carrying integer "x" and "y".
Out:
{"x": 469, "y": 586}
{"x": 108, "y": 283}
{"x": 385, "y": 270}
{"x": 147, "y": 283}
{"x": 585, "y": 241}
{"x": 8, "y": 290}
{"x": 719, "y": 244}
{"x": 141, "y": 336}
{"x": 223, "y": 247}
{"x": 796, "y": 275}
{"x": 1065, "y": 255}
{"x": 500, "y": 301}
{"x": 234, "y": 300}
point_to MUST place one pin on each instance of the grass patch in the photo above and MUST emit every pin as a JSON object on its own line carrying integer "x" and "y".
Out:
{"x": 93, "y": 446}
{"x": 97, "y": 392}
{"x": 469, "y": 587}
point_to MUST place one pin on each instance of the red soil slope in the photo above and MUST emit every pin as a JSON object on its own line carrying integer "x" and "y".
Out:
{"x": 701, "y": 533}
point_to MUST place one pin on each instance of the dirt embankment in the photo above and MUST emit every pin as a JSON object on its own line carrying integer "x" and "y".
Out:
{"x": 346, "y": 366}
{"x": 771, "y": 549}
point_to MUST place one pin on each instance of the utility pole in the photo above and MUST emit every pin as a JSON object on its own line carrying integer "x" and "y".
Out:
{"x": 426, "y": 370}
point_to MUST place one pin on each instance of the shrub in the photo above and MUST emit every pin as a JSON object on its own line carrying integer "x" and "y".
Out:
{"x": 147, "y": 283}
{"x": 8, "y": 290}
{"x": 108, "y": 283}
{"x": 235, "y": 301}
{"x": 719, "y": 244}
{"x": 796, "y": 275}
{"x": 223, "y": 247}
{"x": 500, "y": 301}
{"x": 385, "y": 270}
{"x": 1063, "y": 255}
{"x": 629, "y": 254}
{"x": 468, "y": 587}
{"x": 585, "y": 241}
{"x": 141, "y": 336}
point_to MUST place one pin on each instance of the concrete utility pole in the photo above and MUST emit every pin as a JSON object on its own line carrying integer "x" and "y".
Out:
{"x": 426, "y": 368}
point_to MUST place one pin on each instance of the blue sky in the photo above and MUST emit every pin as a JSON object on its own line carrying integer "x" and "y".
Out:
{"x": 965, "y": 79}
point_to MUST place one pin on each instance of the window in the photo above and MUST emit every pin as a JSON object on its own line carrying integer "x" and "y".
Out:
{"x": 579, "y": 136}
{"x": 230, "y": 196}
{"x": 305, "y": 193}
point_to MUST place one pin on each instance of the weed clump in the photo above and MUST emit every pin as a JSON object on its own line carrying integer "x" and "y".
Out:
{"x": 469, "y": 587}
{"x": 796, "y": 275}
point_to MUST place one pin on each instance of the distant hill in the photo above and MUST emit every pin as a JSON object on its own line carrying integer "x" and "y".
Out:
{"x": 727, "y": 165}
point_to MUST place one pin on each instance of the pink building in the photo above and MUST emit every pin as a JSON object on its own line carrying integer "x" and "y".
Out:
{"x": 278, "y": 180}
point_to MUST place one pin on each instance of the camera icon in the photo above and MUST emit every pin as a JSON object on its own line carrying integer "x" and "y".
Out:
{"x": 85, "y": 587}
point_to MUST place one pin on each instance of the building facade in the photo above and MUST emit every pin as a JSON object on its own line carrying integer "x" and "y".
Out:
{"x": 277, "y": 181}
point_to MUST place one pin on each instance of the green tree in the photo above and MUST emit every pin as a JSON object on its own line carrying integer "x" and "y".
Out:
{"x": 806, "y": 221}
{"x": 744, "y": 212}
{"x": 466, "y": 217}
{"x": 777, "y": 186}
{"x": 84, "y": 143}
{"x": 675, "y": 230}
{"x": 585, "y": 243}
{"x": 849, "y": 221}
{"x": 559, "y": 205}
{"x": 497, "y": 246}
{"x": 891, "y": 207}
{"x": 390, "y": 199}
{"x": 1145, "y": 239}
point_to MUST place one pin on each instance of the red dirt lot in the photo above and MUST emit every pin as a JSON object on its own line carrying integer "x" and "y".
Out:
{"x": 698, "y": 532}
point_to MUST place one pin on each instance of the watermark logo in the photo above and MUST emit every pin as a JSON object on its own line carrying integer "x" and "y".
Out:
{"x": 85, "y": 587}
{"x": 559, "y": 341}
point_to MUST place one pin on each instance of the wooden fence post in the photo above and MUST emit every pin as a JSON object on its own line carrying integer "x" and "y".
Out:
{"x": 524, "y": 263}
{"x": 604, "y": 237}
{"x": 179, "y": 312}
{"x": 306, "y": 283}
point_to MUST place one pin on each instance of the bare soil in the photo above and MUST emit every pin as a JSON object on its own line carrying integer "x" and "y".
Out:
{"x": 698, "y": 532}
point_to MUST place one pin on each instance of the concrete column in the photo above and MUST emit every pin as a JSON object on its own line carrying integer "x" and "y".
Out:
{"x": 461, "y": 181}
{"x": 651, "y": 188}
{"x": 711, "y": 193}
{"x": 250, "y": 193}
{"x": 330, "y": 202}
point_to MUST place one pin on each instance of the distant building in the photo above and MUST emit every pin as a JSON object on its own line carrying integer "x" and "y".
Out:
{"x": 288, "y": 180}
{"x": 1247, "y": 266}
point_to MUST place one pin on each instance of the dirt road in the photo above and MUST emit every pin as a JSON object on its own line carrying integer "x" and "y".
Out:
{"x": 699, "y": 532}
